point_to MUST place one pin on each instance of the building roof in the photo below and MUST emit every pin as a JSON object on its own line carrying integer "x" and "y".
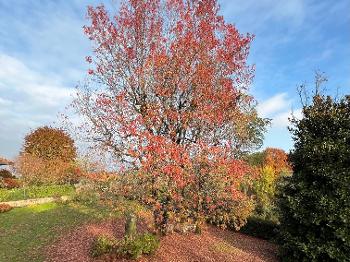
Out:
{"x": 4, "y": 161}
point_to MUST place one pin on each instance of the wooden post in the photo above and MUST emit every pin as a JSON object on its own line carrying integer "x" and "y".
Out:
{"x": 130, "y": 225}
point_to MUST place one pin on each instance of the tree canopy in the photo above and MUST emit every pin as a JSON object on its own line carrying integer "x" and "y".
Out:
{"x": 315, "y": 203}
{"x": 50, "y": 144}
{"x": 167, "y": 95}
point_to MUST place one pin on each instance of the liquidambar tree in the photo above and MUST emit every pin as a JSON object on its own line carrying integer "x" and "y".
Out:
{"x": 167, "y": 96}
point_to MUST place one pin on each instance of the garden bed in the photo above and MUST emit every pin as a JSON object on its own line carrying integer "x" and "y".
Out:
{"x": 65, "y": 232}
{"x": 212, "y": 245}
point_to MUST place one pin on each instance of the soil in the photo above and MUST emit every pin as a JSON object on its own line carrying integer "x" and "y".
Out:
{"x": 213, "y": 244}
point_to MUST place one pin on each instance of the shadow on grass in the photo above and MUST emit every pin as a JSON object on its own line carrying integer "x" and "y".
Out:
{"x": 24, "y": 232}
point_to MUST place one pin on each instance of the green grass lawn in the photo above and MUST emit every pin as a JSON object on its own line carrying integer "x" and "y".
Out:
{"x": 35, "y": 192}
{"x": 26, "y": 231}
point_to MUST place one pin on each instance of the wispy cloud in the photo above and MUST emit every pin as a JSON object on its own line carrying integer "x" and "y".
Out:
{"x": 27, "y": 100}
{"x": 279, "y": 108}
{"x": 281, "y": 120}
{"x": 257, "y": 15}
{"x": 47, "y": 35}
{"x": 274, "y": 105}
{"x": 21, "y": 81}
{"x": 42, "y": 52}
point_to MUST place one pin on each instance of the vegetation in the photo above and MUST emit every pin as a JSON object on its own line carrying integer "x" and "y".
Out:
{"x": 39, "y": 171}
{"x": 261, "y": 227}
{"x": 141, "y": 244}
{"x": 167, "y": 101}
{"x": 48, "y": 157}
{"x": 103, "y": 245}
{"x": 27, "y": 231}
{"x": 35, "y": 192}
{"x": 157, "y": 110}
{"x": 4, "y": 173}
{"x": 8, "y": 180}
{"x": 9, "y": 183}
{"x": 315, "y": 203}
{"x": 271, "y": 166}
{"x": 50, "y": 144}
{"x": 135, "y": 247}
{"x": 5, "y": 208}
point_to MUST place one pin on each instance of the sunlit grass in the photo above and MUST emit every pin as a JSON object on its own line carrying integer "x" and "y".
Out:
{"x": 35, "y": 192}
{"x": 25, "y": 232}
{"x": 225, "y": 248}
{"x": 42, "y": 208}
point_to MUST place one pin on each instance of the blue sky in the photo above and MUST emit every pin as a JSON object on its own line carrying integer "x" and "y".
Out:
{"x": 42, "y": 50}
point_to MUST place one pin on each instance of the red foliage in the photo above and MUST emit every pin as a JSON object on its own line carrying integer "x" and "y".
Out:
{"x": 5, "y": 208}
{"x": 11, "y": 183}
{"x": 277, "y": 159}
{"x": 172, "y": 100}
{"x": 98, "y": 176}
{"x": 38, "y": 170}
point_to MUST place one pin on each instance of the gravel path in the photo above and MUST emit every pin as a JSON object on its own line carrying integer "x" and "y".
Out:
{"x": 212, "y": 245}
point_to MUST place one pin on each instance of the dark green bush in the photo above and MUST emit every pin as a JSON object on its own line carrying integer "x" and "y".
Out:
{"x": 315, "y": 202}
{"x": 259, "y": 227}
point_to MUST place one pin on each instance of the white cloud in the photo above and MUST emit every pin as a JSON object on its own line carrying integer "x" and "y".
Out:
{"x": 281, "y": 120}
{"x": 16, "y": 77}
{"x": 5, "y": 102}
{"x": 278, "y": 108}
{"x": 274, "y": 105}
{"x": 264, "y": 11}
{"x": 27, "y": 100}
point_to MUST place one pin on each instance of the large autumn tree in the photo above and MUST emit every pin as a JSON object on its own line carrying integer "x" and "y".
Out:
{"x": 167, "y": 95}
{"x": 50, "y": 143}
{"x": 48, "y": 156}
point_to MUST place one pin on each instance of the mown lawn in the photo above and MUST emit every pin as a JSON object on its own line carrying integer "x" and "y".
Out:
{"x": 25, "y": 232}
{"x": 35, "y": 192}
